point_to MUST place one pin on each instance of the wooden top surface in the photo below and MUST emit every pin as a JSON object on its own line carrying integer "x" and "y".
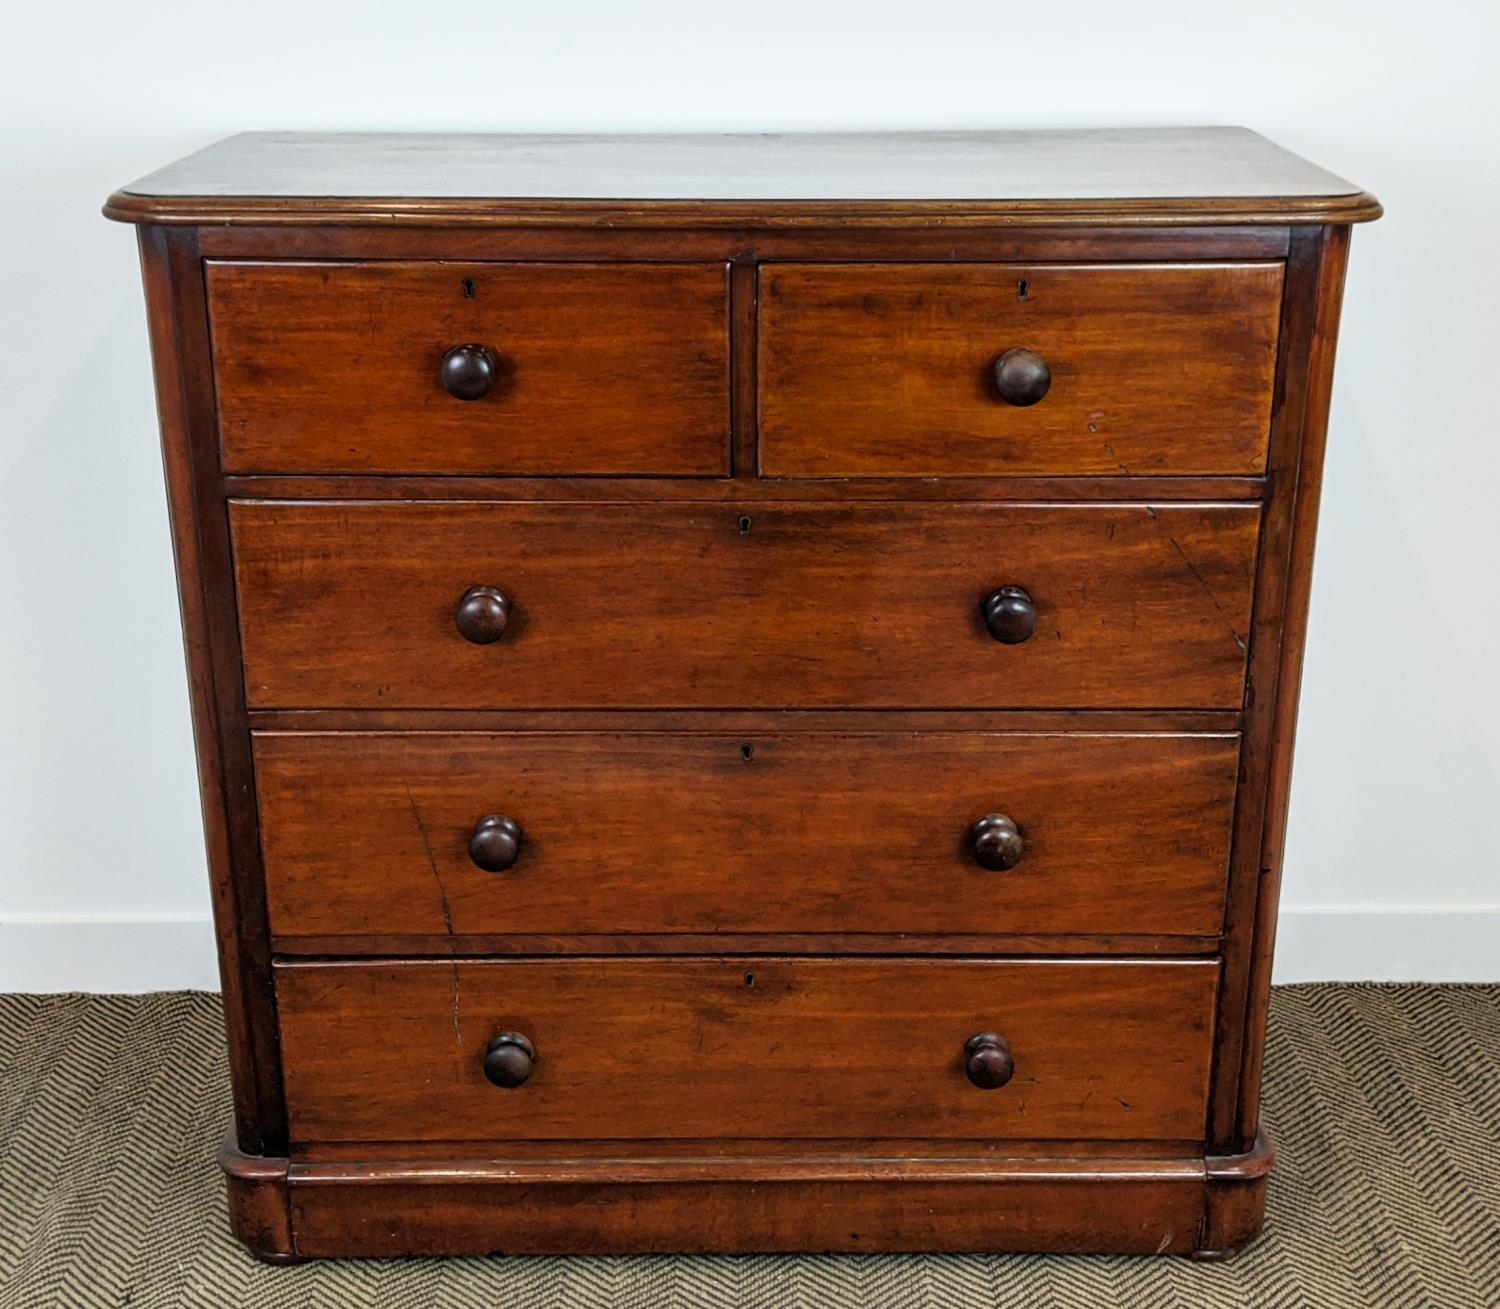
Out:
{"x": 1197, "y": 175}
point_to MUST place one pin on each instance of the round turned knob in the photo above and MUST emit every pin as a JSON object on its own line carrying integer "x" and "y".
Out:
{"x": 988, "y": 1062}
{"x": 482, "y": 615}
{"x": 496, "y": 843}
{"x": 1010, "y": 615}
{"x": 468, "y": 372}
{"x": 996, "y": 842}
{"x": 1021, "y": 377}
{"x": 507, "y": 1061}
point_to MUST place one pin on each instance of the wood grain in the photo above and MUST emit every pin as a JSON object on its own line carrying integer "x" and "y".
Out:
{"x": 733, "y": 1197}
{"x": 1326, "y": 255}
{"x": 748, "y": 489}
{"x": 172, "y": 272}
{"x": 740, "y": 486}
{"x": 368, "y": 833}
{"x": 736, "y": 721}
{"x": 259, "y": 1208}
{"x": 1235, "y": 1199}
{"x": 1314, "y": 281}
{"x": 333, "y": 367}
{"x": 938, "y": 243}
{"x": 638, "y": 1049}
{"x": 886, "y": 370}
{"x": 351, "y": 605}
{"x": 1150, "y": 1208}
{"x": 717, "y": 1158}
{"x": 405, "y": 945}
{"x": 1109, "y": 176}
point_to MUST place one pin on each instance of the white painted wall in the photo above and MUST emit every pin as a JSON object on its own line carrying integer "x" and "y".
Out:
{"x": 1391, "y": 866}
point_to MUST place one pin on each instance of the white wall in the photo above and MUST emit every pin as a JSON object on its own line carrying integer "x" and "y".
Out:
{"x": 1391, "y": 866}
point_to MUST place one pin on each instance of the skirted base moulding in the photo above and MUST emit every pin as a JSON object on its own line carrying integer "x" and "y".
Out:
{"x": 1206, "y": 1208}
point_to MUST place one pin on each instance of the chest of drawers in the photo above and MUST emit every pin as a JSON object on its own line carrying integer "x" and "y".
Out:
{"x": 744, "y": 687}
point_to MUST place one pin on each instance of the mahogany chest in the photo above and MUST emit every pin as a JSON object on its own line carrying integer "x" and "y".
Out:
{"x": 744, "y": 686}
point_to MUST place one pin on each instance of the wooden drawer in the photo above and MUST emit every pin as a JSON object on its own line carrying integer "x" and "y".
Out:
{"x": 370, "y": 833}
{"x": 889, "y": 371}
{"x": 353, "y": 605}
{"x": 335, "y": 367}
{"x": 754, "y": 1047}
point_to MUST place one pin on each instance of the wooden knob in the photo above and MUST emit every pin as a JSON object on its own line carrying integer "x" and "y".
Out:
{"x": 482, "y": 615}
{"x": 1021, "y": 377}
{"x": 508, "y": 1060}
{"x": 1010, "y": 615}
{"x": 987, "y": 1061}
{"x": 996, "y": 842}
{"x": 468, "y": 372}
{"x": 496, "y": 843}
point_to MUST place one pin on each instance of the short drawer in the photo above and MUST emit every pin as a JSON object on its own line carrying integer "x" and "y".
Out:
{"x": 745, "y": 1048}
{"x": 392, "y": 834}
{"x": 891, "y": 371}
{"x": 468, "y": 605}
{"x": 471, "y": 368}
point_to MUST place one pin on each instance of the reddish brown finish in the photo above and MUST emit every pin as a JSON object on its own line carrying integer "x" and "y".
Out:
{"x": 258, "y": 1203}
{"x": 826, "y": 243}
{"x": 350, "y": 605}
{"x": 516, "y": 944}
{"x": 812, "y": 1048}
{"x": 833, "y": 628}
{"x": 890, "y": 370}
{"x": 370, "y": 833}
{"x": 739, "y": 721}
{"x": 715, "y": 1159}
{"x": 966, "y": 1198}
{"x": 749, "y": 490}
{"x": 205, "y": 589}
{"x": 1325, "y": 260}
{"x": 334, "y": 368}
{"x": 744, "y": 308}
{"x": 1236, "y": 1199}
{"x": 1316, "y": 265}
{"x": 1136, "y": 1207}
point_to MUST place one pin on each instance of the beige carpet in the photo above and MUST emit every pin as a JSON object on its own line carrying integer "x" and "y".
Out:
{"x": 1385, "y": 1101}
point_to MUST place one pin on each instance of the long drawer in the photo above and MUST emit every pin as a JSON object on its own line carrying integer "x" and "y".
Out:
{"x": 992, "y": 369}
{"x": 507, "y": 605}
{"x": 397, "y": 367}
{"x": 948, "y": 833}
{"x": 598, "y": 1049}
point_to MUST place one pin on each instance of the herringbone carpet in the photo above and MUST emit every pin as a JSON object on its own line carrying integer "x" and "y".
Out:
{"x": 1385, "y": 1101}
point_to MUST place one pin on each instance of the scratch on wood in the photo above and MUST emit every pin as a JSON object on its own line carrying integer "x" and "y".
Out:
{"x": 437, "y": 877}
{"x": 1207, "y": 589}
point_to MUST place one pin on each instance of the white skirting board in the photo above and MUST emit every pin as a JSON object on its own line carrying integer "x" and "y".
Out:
{"x": 116, "y": 954}
{"x": 1316, "y": 943}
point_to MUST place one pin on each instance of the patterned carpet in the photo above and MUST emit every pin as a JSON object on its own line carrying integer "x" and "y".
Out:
{"x": 1385, "y": 1101}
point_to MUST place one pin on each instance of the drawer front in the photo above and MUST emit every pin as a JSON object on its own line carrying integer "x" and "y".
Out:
{"x": 890, "y": 371}
{"x": 371, "y": 833}
{"x": 338, "y": 368}
{"x": 754, "y": 1047}
{"x": 353, "y": 605}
